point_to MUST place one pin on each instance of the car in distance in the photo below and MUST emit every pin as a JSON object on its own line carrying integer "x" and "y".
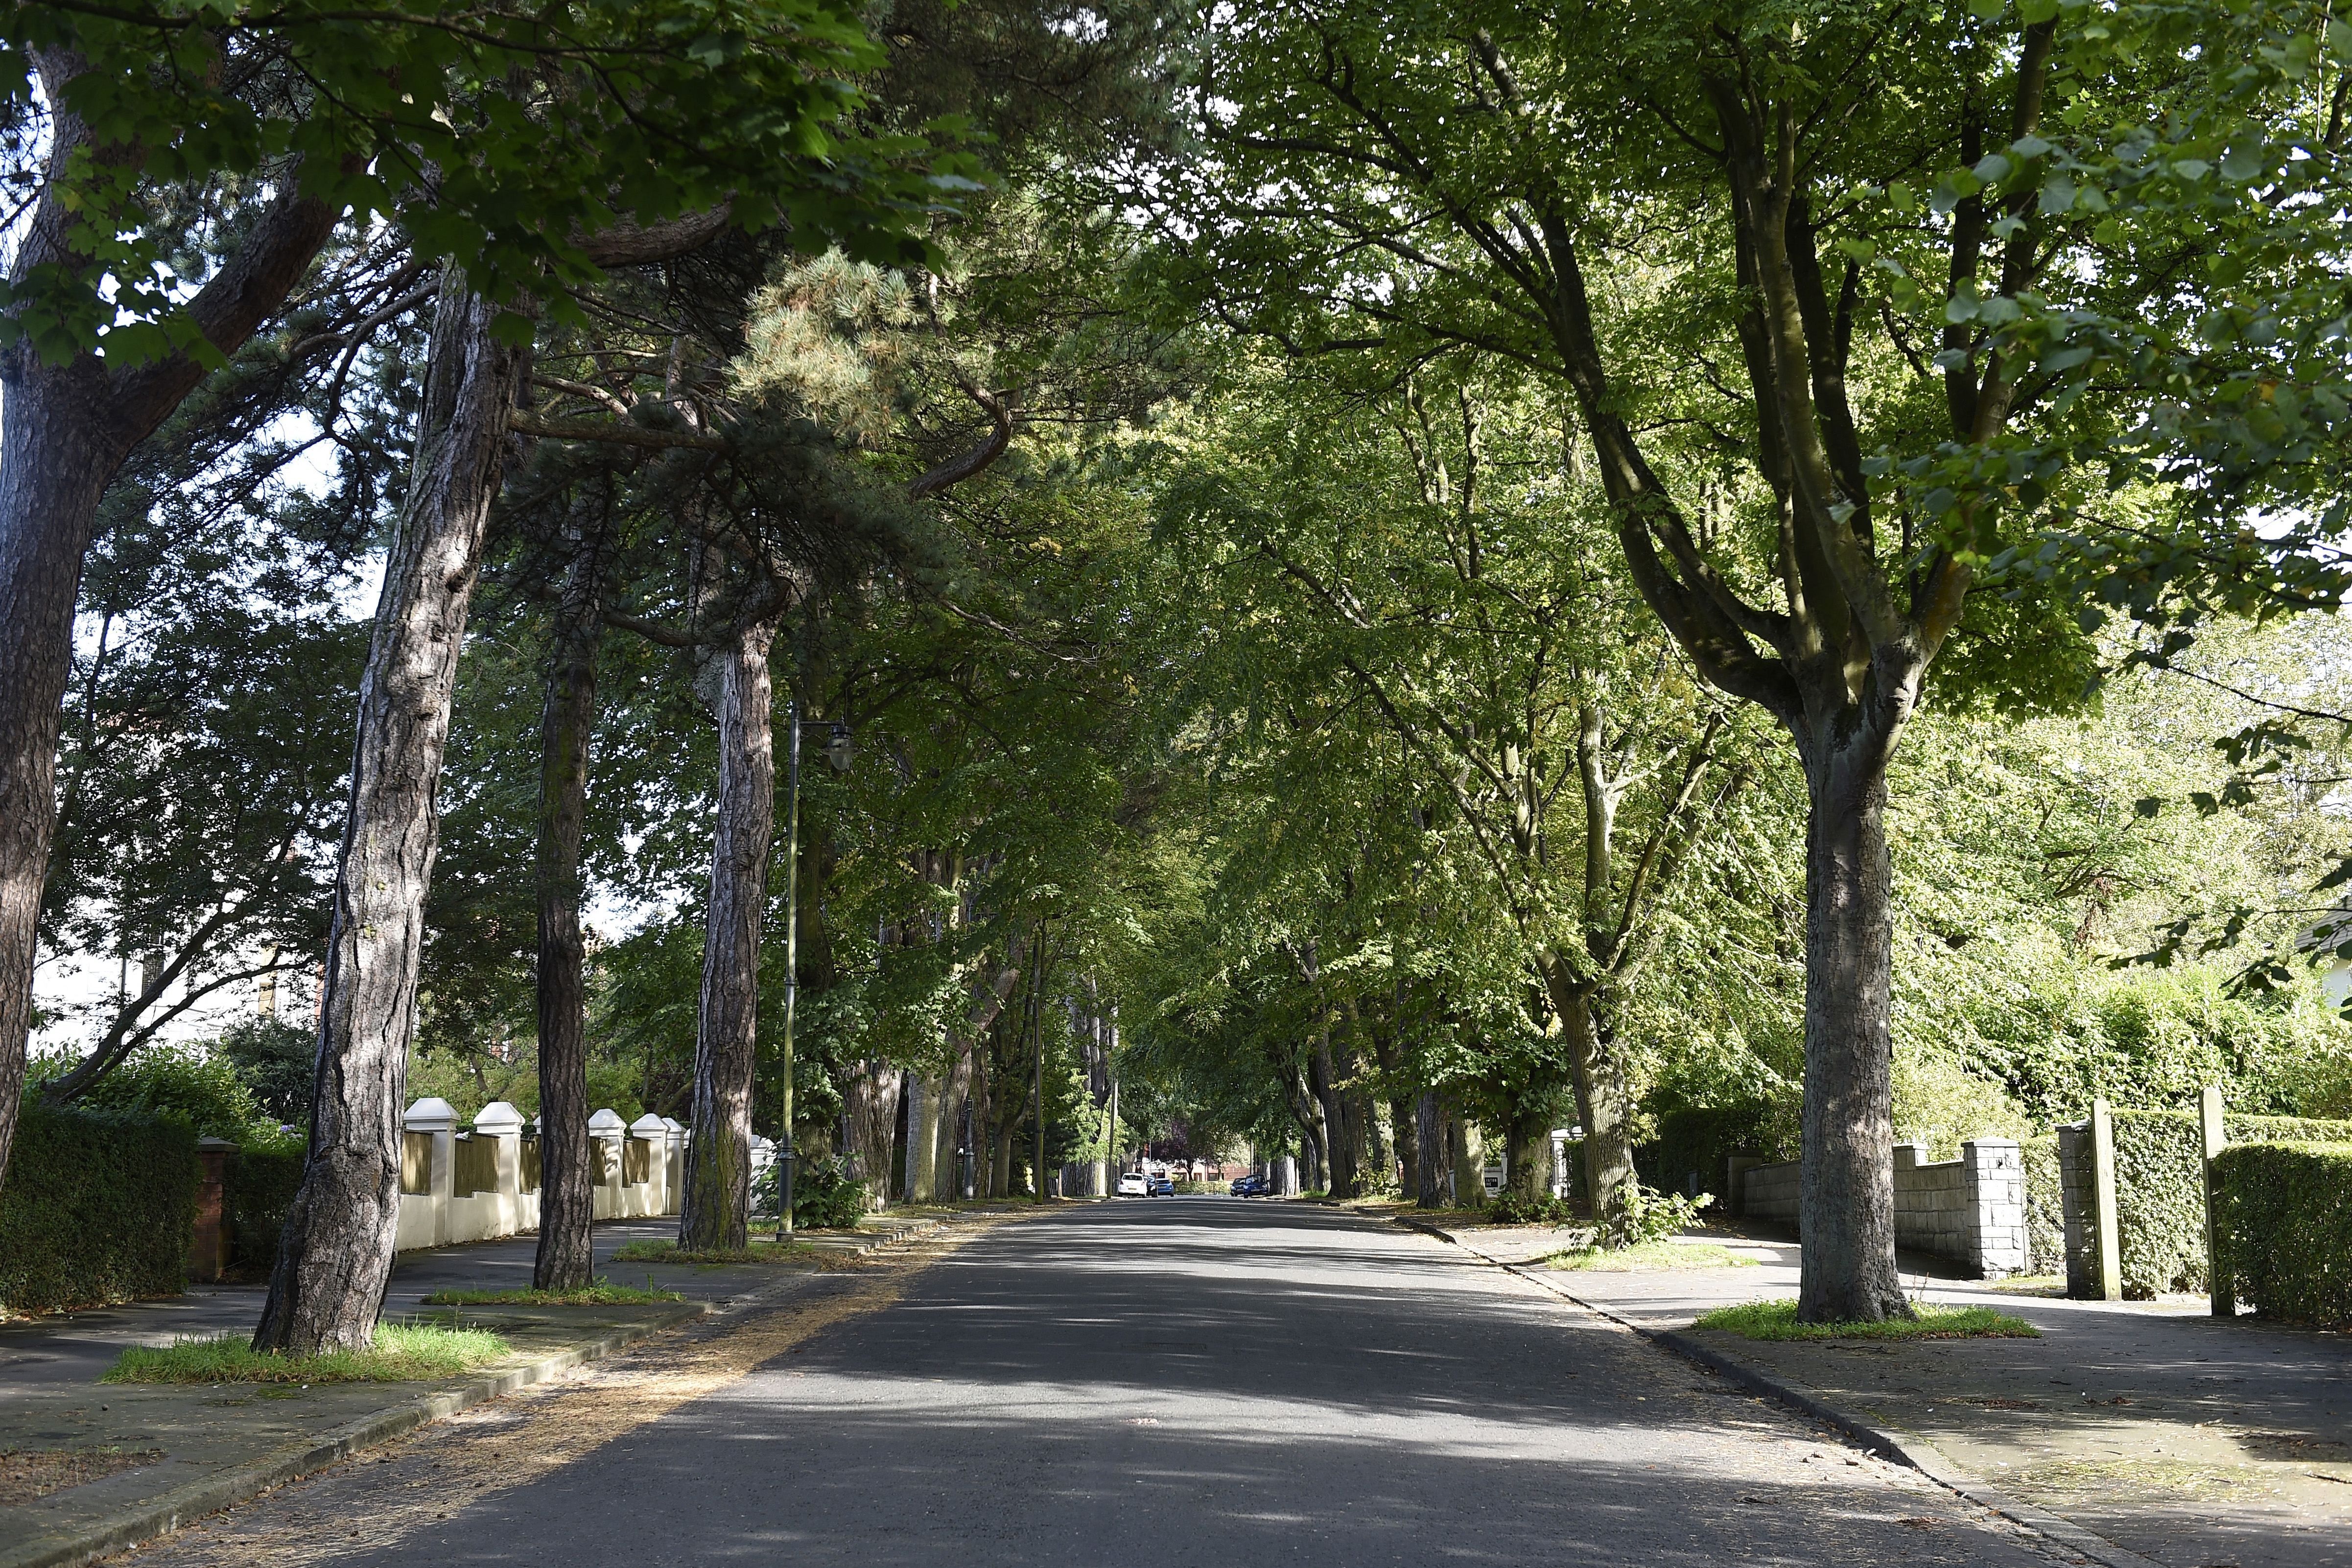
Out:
{"x": 1162, "y": 1187}
{"x": 1249, "y": 1187}
{"x": 1133, "y": 1184}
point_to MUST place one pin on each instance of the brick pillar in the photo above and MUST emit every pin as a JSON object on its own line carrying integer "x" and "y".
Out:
{"x": 210, "y": 1240}
{"x": 1993, "y": 1172}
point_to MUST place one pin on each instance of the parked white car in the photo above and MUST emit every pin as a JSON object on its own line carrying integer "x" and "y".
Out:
{"x": 1131, "y": 1185}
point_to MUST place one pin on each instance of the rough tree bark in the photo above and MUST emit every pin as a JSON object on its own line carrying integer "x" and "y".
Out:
{"x": 566, "y": 1193}
{"x": 335, "y": 1255}
{"x": 715, "y": 1211}
{"x": 64, "y": 430}
{"x": 1429, "y": 1149}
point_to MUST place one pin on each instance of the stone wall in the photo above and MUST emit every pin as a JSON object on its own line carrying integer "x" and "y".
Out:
{"x": 1971, "y": 1210}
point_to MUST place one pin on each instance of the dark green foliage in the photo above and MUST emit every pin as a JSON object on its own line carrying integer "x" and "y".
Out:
{"x": 95, "y": 1207}
{"x": 2161, "y": 1190}
{"x": 275, "y": 1061}
{"x": 179, "y": 1083}
{"x": 255, "y": 1192}
{"x": 823, "y": 1195}
{"x": 2286, "y": 1227}
{"x": 1700, "y": 1139}
{"x": 1508, "y": 1207}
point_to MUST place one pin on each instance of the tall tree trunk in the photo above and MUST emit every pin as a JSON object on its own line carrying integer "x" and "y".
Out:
{"x": 566, "y": 1257}
{"x": 947, "y": 1173}
{"x": 716, "y": 1207}
{"x": 1338, "y": 1120}
{"x": 1846, "y": 1208}
{"x": 1469, "y": 1151}
{"x": 872, "y": 1102}
{"x": 1408, "y": 1149}
{"x": 334, "y": 1258}
{"x": 1526, "y": 1139}
{"x": 1603, "y": 1097}
{"x": 1429, "y": 1149}
{"x": 922, "y": 1138}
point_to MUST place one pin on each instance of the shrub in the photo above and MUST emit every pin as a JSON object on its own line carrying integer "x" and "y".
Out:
{"x": 1508, "y": 1207}
{"x": 1697, "y": 1138}
{"x": 181, "y": 1083}
{"x": 2285, "y": 1213}
{"x": 275, "y": 1061}
{"x": 95, "y": 1207}
{"x": 255, "y": 1192}
{"x": 1653, "y": 1216}
{"x": 826, "y": 1194}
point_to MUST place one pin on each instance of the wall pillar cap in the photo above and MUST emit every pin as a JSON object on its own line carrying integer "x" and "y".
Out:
{"x": 431, "y": 1115}
{"x": 209, "y": 1144}
{"x": 606, "y": 1124}
{"x": 498, "y": 1119}
{"x": 649, "y": 1126}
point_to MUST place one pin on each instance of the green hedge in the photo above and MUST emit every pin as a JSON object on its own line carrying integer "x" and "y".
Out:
{"x": 2161, "y": 1190}
{"x": 2045, "y": 1206}
{"x": 2285, "y": 1213}
{"x": 254, "y": 1196}
{"x": 1698, "y": 1140}
{"x": 95, "y": 1207}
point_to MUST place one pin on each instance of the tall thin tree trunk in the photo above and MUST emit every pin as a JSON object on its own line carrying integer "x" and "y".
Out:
{"x": 717, "y": 1208}
{"x": 566, "y": 1257}
{"x": 1603, "y": 1097}
{"x": 922, "y": 1138}
{"x": 1469, "y": 1165}
{"x": 1846, "y": 1209}
{"x": 1408, "y": 1149}
{"x": 873, "y": 1107}
{"x": 1429, "y": 1140}
{"x": 335, "y": 1255}
{"x": 1339, "y": 1149}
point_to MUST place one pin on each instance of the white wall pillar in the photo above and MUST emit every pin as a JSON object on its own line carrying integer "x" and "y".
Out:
{"x": 424, "y": 1217}
{"x": 502, "y": 1125}
{"x": 649, "y": 1197}
{"x": 605, "y": 1133}
{"x": 674, "y": 1166}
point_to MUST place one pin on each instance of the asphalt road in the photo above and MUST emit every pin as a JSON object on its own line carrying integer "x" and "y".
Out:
{"x": 1164, "y": 1383}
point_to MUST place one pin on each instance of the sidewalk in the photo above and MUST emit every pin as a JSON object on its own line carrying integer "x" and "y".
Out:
{"x": 201, "y": 1448}
{"x": 2193, "y": 1441}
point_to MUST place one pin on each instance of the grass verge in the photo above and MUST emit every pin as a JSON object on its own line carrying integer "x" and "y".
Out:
{"x": 1648, "y": 1255}
{"x": 402, "y": 1352}
{"x": 1778, "y": 1321}
{"x": 602, "y": 1293}
{"x": 758, "y": 1253}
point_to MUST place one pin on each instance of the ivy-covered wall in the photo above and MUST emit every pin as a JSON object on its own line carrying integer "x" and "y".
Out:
{"x": 2160, "y": 1191}
{"x": 96, "y": 1207}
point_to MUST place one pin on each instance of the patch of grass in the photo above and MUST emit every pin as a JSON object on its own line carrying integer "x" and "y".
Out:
{"x": 1778, "y": 1321}
{"x": 402, "y": 1352}
{"x": 1649, "y": 1255}
{"x": 602, "y": 1293}
{"x": 2029, "y": 1285}
{"x": 714, "y": 1256}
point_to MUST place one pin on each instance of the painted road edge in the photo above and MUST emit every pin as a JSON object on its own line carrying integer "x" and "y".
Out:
{"x": 1909, "y": 1448}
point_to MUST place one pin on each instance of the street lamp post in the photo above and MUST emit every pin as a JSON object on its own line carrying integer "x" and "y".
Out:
{"x": 838, "y": 751}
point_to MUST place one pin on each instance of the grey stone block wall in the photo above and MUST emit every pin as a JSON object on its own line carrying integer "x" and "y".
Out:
{"x": 1970, "y": 1209}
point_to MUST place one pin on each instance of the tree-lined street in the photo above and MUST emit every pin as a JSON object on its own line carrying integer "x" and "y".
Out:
{"x": 1187, "y": 1382}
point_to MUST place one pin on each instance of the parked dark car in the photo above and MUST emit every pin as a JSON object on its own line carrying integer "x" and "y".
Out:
{"x": 1162, "y": 1187}
{"x": 1249, "y": 1187}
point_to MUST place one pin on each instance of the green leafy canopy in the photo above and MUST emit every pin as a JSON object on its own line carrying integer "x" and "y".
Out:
{"x": 496, "y": 135}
